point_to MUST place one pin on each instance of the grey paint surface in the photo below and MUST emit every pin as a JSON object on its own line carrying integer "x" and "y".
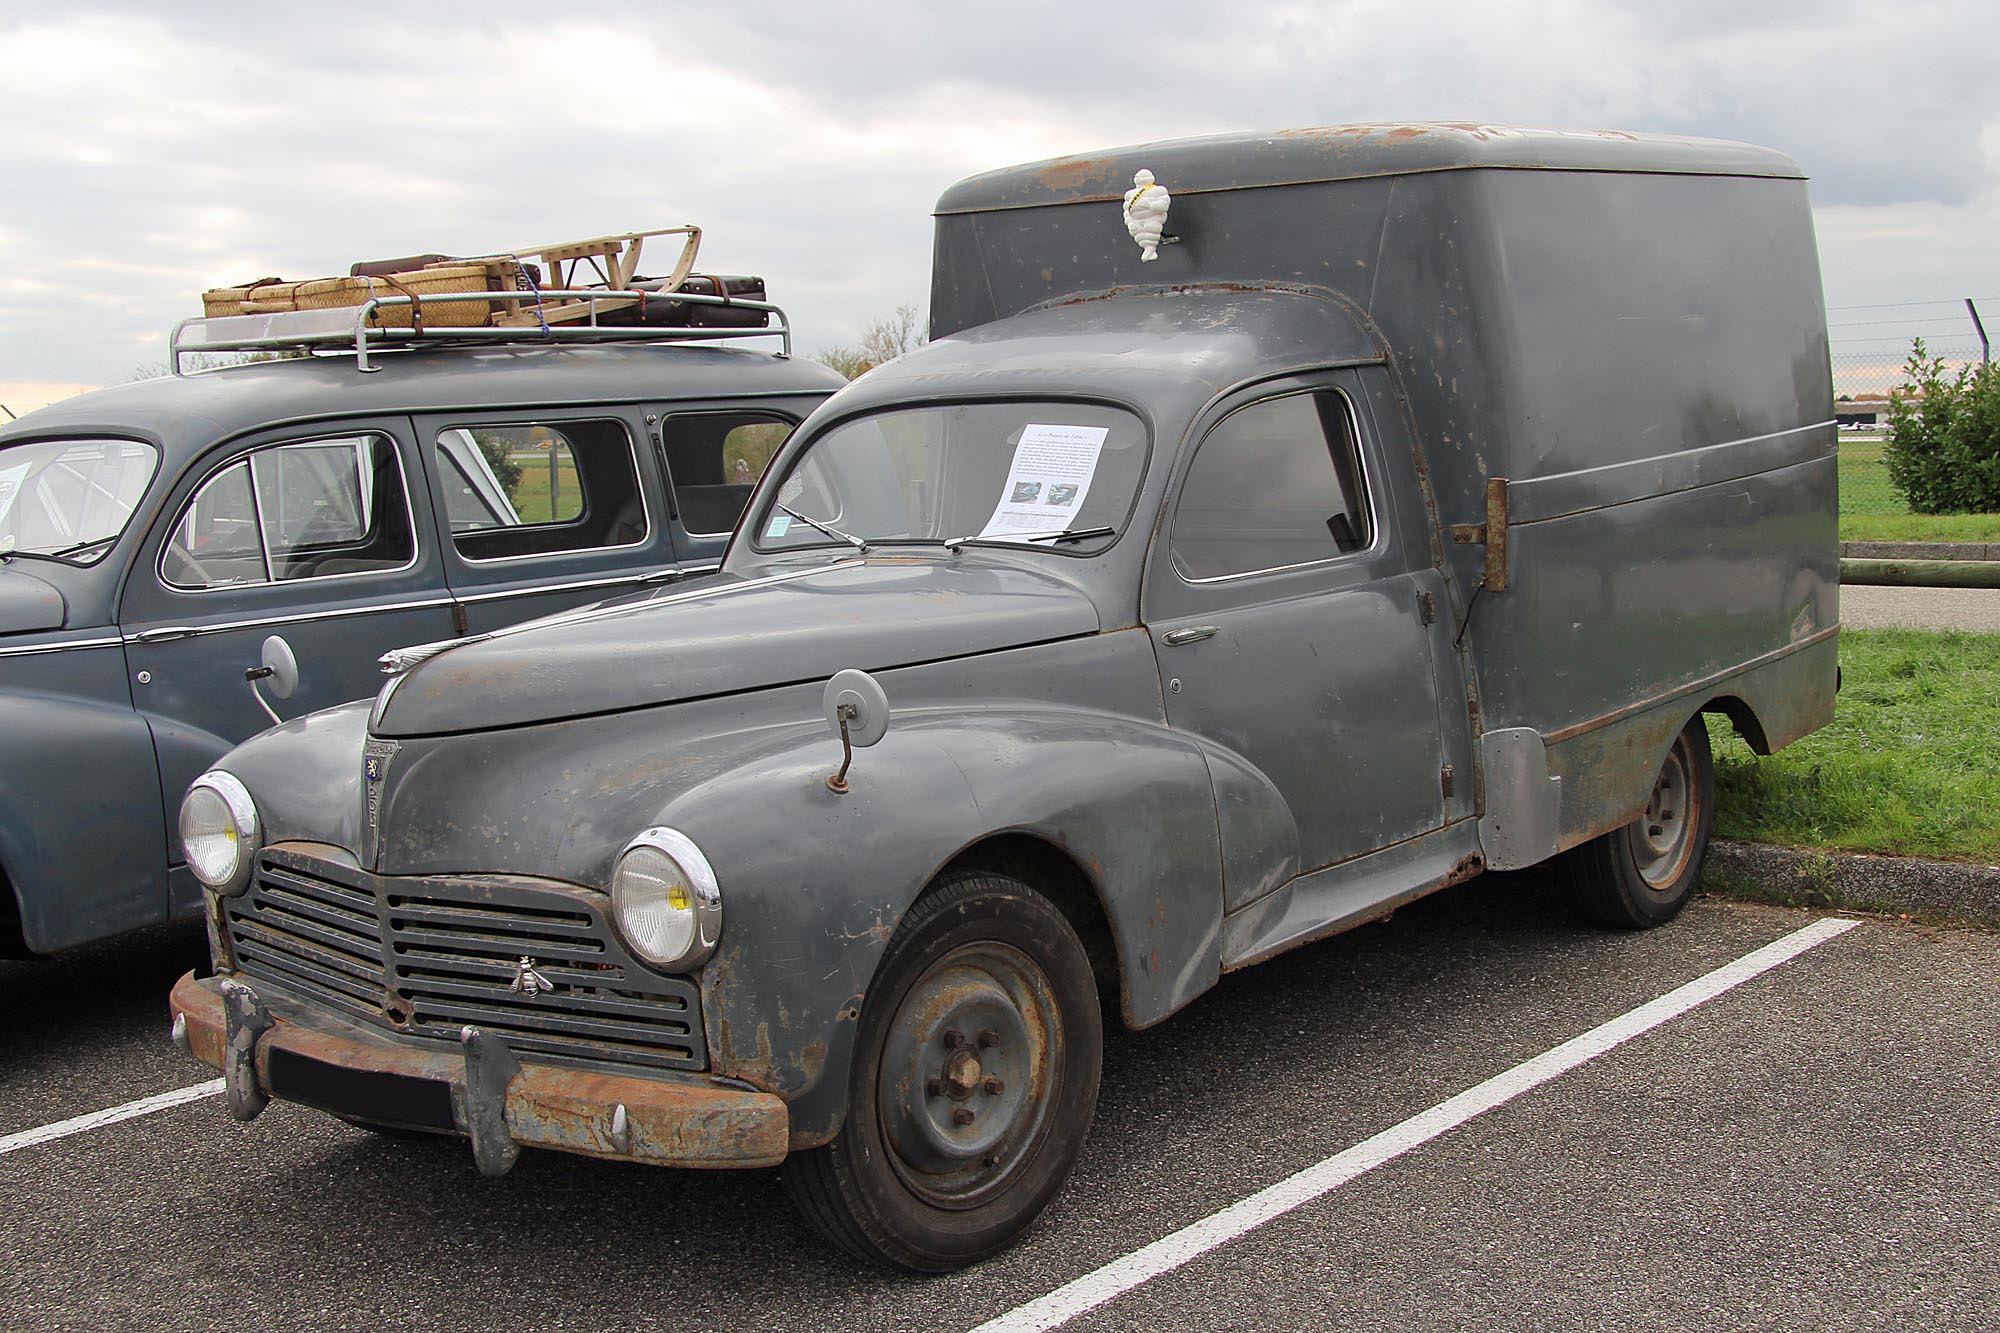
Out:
{"x": 112, "y": 682}
{"x": 1674, "y": 551}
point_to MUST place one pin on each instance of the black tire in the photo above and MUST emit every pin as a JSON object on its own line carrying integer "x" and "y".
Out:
{"x": 984, "y": 981}
{"x": 1641, "y": 875}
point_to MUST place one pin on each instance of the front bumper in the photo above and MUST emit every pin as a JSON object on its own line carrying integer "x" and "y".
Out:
{"x": 478, "y": 1088}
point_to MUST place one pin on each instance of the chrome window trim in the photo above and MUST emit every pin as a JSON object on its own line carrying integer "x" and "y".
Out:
{"x": 68, "y": 645}
{"x": 638, "y": 479}
{"x": 607, "y": 581}
{"x": 180, "y": 516}
{"x": 1377, "y": 534}
{"x": 164, "y": 633}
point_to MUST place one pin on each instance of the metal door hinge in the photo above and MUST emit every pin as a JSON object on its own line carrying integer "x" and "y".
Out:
{"x": 1492, "y": 534}
{"x": 460, "y": 623}
{"x": 1429, "y": 606}
{"x": 1448, "y": 780}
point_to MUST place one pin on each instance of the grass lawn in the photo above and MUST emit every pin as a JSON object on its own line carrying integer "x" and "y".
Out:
{"x": 531, "y": 497}
{"x": 1910, "y": 764}
{"x": 1872, "y": 511}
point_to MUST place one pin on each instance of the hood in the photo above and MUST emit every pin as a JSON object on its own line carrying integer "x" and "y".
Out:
{"x": 27, "y": 603}
{"x": 735, "y": 634}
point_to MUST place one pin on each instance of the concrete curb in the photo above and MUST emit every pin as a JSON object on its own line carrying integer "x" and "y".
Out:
{"x": 1810, "y": 877}
{"x": 1920, "y": 550}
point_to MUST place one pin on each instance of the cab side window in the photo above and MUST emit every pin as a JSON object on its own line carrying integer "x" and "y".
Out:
{"x": 715, "y": 459}
{"x": 1275, "y": 484}
{"x": 295, "y": 511}
{"x": 540, "y": 488}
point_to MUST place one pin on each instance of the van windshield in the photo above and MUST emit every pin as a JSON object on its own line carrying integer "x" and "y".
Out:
{"x": 1054, "y": 474}
{"x": 70, "y": 499}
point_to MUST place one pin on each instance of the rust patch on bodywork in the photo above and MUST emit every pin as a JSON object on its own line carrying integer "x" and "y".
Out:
{"x": 675, "y": 1120}
{"x": 1076, "y": 172}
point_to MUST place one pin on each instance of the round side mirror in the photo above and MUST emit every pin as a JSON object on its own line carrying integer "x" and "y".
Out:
{"x": 860, "y": 699}
{"x": 281, "y": 667}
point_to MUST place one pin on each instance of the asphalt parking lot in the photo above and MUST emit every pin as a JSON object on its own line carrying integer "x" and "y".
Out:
{"x": 1816, "y": 1147}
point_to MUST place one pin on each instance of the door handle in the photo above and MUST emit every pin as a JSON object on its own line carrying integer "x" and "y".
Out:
{"x": 163, "y": 633}
{"x": 1190, "y": 634}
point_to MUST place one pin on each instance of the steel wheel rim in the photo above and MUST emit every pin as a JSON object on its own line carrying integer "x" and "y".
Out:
{"x": 1662, "y": 839}
{"x": 968, "y": 1073}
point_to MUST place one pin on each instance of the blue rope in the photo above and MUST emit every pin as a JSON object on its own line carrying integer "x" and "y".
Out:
{"x": 528, "y": 277}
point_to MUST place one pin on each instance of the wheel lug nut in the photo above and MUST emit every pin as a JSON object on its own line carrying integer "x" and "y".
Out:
{"x": 995, "y": 1087}
{"x": 954, "y": 1038}
{"x": 990, "y": 1161}
{"x": 989, "y": 1038}
{"x": 961, "y": 1115}
{"x": 932, "y": 1087}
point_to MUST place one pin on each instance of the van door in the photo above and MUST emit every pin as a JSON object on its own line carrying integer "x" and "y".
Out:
{"x": 1287, "y": 625}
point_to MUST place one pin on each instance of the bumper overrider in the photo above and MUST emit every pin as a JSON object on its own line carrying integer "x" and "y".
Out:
{"x": 267, "y": 1045}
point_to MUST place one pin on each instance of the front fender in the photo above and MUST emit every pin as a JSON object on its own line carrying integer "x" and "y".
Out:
{"x": 814, "y": 884}
{"x": 82, "y": 839}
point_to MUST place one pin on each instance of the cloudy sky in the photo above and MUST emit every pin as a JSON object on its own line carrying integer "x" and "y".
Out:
{"x": 148, "y": 152}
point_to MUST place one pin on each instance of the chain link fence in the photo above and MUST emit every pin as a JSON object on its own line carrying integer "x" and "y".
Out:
{"x": 1870, "y": 343}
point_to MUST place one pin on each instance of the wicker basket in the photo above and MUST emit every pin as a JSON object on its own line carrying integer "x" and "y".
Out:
{"x": 437, "y": 280}
{"x": 219, "y": 301}
{"x": 270, "y": 296}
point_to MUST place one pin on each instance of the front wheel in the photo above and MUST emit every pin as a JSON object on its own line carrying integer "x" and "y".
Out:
{"x": 1643, "y": 874}
{"x": 973, "y": 1086}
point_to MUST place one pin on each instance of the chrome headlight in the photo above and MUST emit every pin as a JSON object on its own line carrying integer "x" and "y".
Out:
{"x": 219, "y": 831}
{"x": 665, "y": 900}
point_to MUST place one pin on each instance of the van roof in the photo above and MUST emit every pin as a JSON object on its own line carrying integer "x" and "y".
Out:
{"x": 1349, "y": 152}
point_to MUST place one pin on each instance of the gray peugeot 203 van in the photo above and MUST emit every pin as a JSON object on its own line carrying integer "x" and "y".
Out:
{"x": 1401, "y": 518}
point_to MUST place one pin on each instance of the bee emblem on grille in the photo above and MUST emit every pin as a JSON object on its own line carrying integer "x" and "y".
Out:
{"x": 528, "y": 981}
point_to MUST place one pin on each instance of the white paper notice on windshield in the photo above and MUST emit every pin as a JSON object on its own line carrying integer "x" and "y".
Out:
{"x": 1051, "y": 473}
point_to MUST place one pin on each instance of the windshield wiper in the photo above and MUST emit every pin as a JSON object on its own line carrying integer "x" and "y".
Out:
{"x": 828, "y": 529}
{"x": 62, "y": 556}
{"x": 1025, "y": 538}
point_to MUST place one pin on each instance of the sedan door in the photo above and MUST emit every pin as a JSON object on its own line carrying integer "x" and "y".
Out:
{"x": 545, "y": 509}
{"x": 714, "y": 455}
{"x": 322, "y": 537}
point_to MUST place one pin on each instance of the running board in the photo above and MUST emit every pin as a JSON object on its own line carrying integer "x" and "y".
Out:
{"x": 1350, "y": 894}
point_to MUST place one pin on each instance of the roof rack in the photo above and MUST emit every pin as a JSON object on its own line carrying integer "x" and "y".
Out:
{"x": 356, "y": 326}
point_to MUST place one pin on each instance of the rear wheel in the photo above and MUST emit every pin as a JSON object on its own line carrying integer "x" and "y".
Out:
{"x": 1643, "y": 874}
{"x": 973, "y": 1085}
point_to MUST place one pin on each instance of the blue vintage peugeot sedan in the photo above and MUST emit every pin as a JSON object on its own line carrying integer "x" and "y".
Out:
{"x": 155, "y": 536}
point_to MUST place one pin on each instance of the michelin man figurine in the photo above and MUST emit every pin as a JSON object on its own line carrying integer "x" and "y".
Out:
{"x": 1146, "y": 214}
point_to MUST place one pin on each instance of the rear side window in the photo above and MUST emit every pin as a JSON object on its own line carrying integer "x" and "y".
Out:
{"x": 540, "y": 488}
{"x": 716, "y": 459}
{"x": 297, "y": 511}
{"x": 1276, "y": 484}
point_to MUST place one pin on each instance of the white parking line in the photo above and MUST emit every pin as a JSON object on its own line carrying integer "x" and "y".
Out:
{"x": 62, "y": 1129}
{"x": 1219, "y": 1228}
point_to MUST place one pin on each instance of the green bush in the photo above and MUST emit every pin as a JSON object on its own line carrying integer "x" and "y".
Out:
{"x": 1943, "y": 451}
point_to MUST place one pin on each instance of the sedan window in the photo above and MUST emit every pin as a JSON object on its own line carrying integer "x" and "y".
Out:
{"x": 296, "y": 511}
{"x": 540, "y": 488}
